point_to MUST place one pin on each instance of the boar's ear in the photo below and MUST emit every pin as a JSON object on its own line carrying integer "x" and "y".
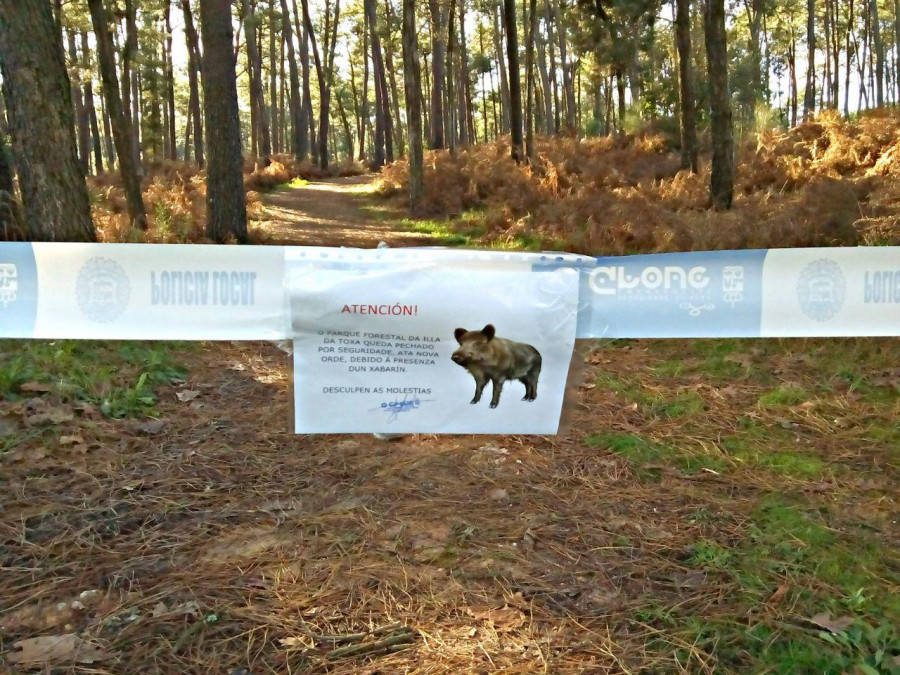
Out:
{"x": 458, "y": 333}
{"x": 489, "y": 332}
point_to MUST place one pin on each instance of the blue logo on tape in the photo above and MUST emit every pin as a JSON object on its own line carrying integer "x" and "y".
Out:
{"x": 821, "y": 289}
{"x": 701, "y": 294}
{"x": 103, "y": 290}
{"x": 18, "y": 290}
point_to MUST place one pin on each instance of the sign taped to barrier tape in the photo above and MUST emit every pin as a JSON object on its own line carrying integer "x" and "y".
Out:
{"x": 435, "y": 348}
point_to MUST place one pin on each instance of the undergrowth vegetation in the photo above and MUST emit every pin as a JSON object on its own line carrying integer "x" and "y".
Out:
{"x": 827, "y": 182}
{"x": 175, "y": 197}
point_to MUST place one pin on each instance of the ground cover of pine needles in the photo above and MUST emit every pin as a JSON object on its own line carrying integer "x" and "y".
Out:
{"x": 715, "y": 506}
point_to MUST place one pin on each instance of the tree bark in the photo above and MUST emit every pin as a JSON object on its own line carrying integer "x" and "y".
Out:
{"x": 132, "y": 107}
{"x": 254, "y": 61}
{"x": 438, "y": 63}
{"x": 226, "y": 210}
{"x": 170, "y": 83}
{"x": 295, "y": 101}
{"x": 193, "y": 47}
{"x": 515, "y": 85}
{"x": 687, "y": 99}
{"x": 809, "y": 98}
{"x": 273, "y": 80}
{"x": 529, "y": 80}
{"x": 39, "y": 107}
{"x": 96, "y": 140}
{"x": 722, "y": 179}
{"x": 413, "y": 87}
{"x": 381, "y": 113}
{"x": 879, "y": 53}
{"x": 82, "y": 119}
{"x": 496, "y": 11}
{"x": 121, "y": 125}
{"x": 395, "y": 125}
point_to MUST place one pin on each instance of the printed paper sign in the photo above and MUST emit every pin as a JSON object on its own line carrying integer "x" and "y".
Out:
{"x": 431, "y": 349}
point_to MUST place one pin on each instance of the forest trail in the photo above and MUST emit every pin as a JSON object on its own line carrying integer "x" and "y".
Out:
{"x": 334, "y": 212}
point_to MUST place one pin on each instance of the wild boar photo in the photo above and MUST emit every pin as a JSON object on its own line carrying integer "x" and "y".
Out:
{"x": 488, "y": 357}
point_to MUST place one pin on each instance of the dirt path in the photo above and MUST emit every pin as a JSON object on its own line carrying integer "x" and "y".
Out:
{"x": 334, "y": 212}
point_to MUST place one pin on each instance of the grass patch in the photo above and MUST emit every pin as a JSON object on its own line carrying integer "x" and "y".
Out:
{"x": 785, "y": 395}
{"x": 120, "y": 378}
{"x": 462, "y": 231}
{"x": 632, "y": 447}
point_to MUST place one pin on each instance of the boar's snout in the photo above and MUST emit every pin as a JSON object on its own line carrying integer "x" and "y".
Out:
{"x": 458, "y": 358}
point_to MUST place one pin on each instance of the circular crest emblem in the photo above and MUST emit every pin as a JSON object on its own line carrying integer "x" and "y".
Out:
{"x": 821, "y": 289}
{"x": 103, "y": 290}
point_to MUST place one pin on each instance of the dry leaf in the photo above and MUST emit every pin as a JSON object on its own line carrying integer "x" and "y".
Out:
{"x": 150, "y": 427}
{"x": 779, "y": 594}
{"x": 71, "y": 440}
{"x": 835, "y": 625}
{"x": 51, "y": 416}
{"x": 294, "y": 642}
{"x": 53, "y": 649}
{"x": 498, "y": 494}
{"x": 503, "y": 619}
{"x": 843, "y": 422}
{"x": 36, "y": 387}
{"x": 186, "y": 395}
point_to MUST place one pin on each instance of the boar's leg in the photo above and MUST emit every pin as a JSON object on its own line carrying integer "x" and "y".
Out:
{"x": 530, "y": 387}
{"x": 497, "y": 383}
{"x": 480, "y": 382}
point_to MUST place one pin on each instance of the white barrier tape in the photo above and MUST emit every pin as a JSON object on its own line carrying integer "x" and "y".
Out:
{"x": 146, "y": 291}
{"x": 140, "y": 291}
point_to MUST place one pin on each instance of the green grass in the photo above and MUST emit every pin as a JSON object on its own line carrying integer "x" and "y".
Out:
{"x": 120, "y": 378}
{"x": 785, "y": 395}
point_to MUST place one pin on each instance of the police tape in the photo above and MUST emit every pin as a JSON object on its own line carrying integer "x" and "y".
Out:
{"x": 200, "y": 292}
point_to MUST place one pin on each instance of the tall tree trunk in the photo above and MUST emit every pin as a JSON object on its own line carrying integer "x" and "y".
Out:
{"x": 545, "y": 85}
{"x": 515, "y": 84}
{"x": 849, "y": 58}
{"x": 896, "y": 48}
{"x": 348, "y": 135}
{"x": 501, "y": 61}
{"x": 307, "y": 139}
{"x": 809, "y": 98}
{"x": 226, "y": 209}
{"x": 273, "y": 79}
{"x": 82, "y": 120}
{"x": 391, "y": 70}
{"x": 466, "y": 102}
{"x": 620, "y": 88}
{"x": 452, "y": 131}
{"x": 39, "y": 107}
{"x": 755, "y": 15}
{"x": 194, "y": 60}
{"x": 295, "y": 105}
{"x": 96, "y": 140}
{"x": 254, "y": 61}
{"x": 364, "y": 102}
{"x": 121, "y": 125}
{"x": 879, "y": 53}
{"x": 132, "y": 106}
{"x": 438, "y": 63}
{"x": 549, "y": 14}
{"x": 413, "y": 87}
{"x": 722, "y": 179}
{"x": 687, "y": 100}
{"x": 568, "y": 84}
{"x": 107, "y": 135}
{"x": 382, "y": 115}
{"x": 529, "y": 80}
{"x": 170, "y": 83}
